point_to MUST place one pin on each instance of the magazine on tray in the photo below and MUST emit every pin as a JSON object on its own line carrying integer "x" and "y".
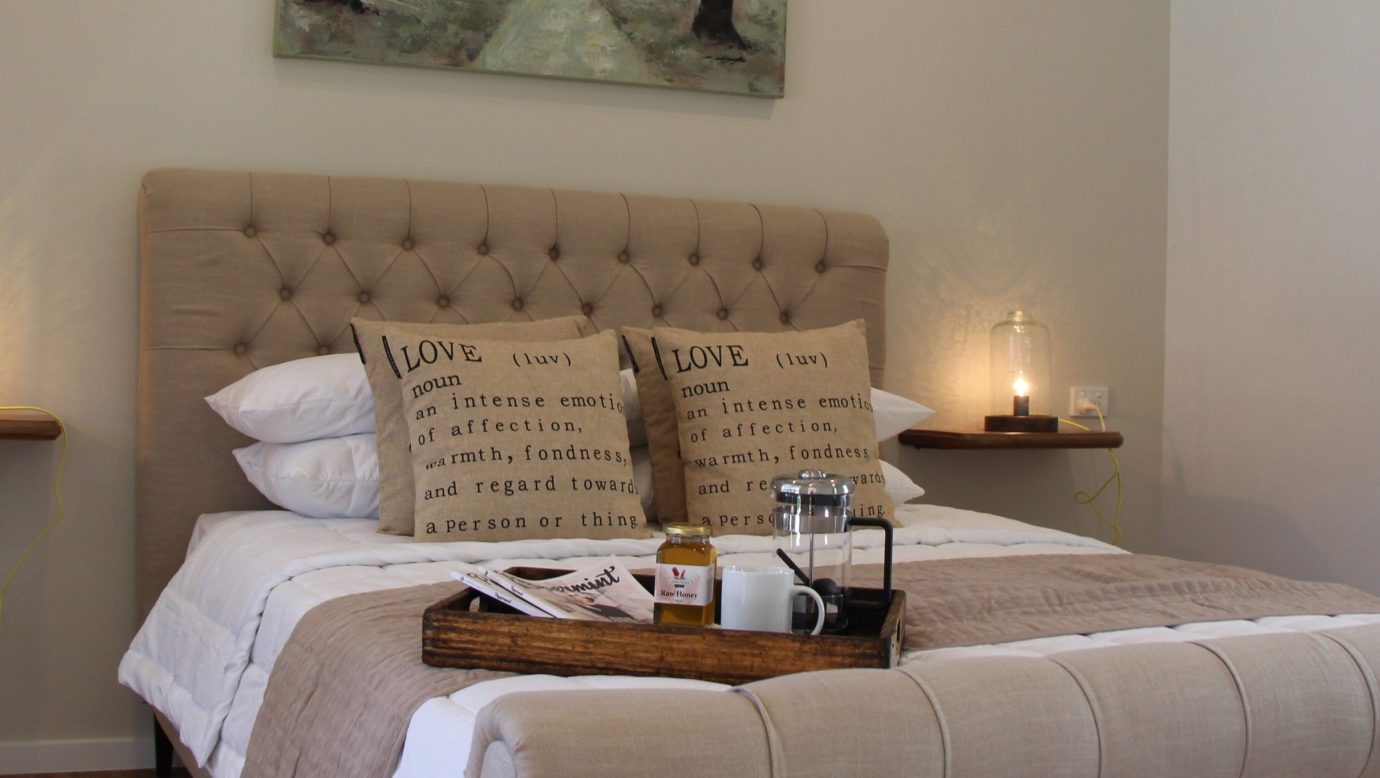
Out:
{"x": 603, "y": 591}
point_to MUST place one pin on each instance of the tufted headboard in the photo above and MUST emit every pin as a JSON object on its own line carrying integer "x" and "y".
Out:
{"x": 244, "y": 270}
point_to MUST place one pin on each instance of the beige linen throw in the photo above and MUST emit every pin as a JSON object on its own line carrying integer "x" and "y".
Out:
{"x": 346, "y": 684}
{"x": 966, "y": 602}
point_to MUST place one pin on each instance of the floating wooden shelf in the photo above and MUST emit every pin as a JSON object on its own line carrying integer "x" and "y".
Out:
{"x": 28, "y": 425}
{"x": 978, "y": 439}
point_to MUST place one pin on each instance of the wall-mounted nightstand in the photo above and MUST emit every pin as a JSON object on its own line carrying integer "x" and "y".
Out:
{"x": 980, "y": 440}
{"x": 28, "y": 425}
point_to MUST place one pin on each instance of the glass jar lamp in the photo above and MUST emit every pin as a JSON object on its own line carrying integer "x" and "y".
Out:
{"x": 1021, "y": 390}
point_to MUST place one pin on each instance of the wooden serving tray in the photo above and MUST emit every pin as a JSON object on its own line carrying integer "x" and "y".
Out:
{"x": 471, "y": 630}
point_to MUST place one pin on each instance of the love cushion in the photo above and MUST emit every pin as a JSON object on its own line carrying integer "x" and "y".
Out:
{"x": 750, "y": 406}
{"x": 515, "y": 440}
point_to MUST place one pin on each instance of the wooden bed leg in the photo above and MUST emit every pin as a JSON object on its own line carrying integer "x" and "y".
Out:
{"x": 162, "y": 751}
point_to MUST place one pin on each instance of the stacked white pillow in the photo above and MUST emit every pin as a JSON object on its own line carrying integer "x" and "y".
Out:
{"x": 316, "y": 453}
{"x": 324, "y": 478}
{"x": 305, "y": 399}
{"x": 314, "y": 422}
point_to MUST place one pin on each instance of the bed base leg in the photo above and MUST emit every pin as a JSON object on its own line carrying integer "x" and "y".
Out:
{"x": 162, "y": 751}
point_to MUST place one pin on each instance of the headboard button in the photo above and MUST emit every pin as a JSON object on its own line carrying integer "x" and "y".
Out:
{"x": 623, "y": 257}
{"x": 820, "y": 267}
{"x": 555, "y": 252}
{"x": 517, "y": 304}
{"x": 785, "y": 318}
{"x": 656, "y": 311}
{"x": 586, "y": 309}
{"x": 323, "y": 350}
{"x": 442, "y": 302}
{"x": 482, "y": 249}
{"x": 364, "y": 297}
{"x": 241, "y": 349}
{"x": 328, "y": 238}
{"x": 407, "y": 244}
{"x": 694, "y": 259}
{"x": 249, "y": 231}
{"x": 285, "y": 293}
{"x": 757, "y": 264}
{"x": 723, "y": 313}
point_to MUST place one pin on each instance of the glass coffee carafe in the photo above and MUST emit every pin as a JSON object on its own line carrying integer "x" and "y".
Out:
{"x": 812, "y": 525}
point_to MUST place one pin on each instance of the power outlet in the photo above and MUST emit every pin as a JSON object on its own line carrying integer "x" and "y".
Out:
{"x": 1082, "y": 400}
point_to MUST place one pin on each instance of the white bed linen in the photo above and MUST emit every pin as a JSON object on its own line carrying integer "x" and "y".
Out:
{"x": 204, "y": 655}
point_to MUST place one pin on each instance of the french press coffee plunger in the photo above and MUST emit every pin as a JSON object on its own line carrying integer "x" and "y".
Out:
{"x": 813, "y": 524}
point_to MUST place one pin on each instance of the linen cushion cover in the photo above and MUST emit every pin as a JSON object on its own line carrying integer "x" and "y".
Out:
{"x": 754, "y": 405}
{"x": 304, "y": 399}
{"x": 659, "y": 421}
{"x": 891, "y": 413}
{"x": 516, "y": 440}
{"x": 395, "y": 465}
{"x": 326, "y": 479}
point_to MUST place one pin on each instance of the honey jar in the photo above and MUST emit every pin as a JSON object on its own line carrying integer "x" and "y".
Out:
{"x": 685, "y": 566}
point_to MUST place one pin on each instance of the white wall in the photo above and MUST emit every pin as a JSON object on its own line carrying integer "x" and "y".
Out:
{"x": 1272, "y": 429}
{"x": 1015, "y": 152}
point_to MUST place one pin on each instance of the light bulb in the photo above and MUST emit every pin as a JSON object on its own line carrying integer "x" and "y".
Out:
{"x": 1020, "y": 404}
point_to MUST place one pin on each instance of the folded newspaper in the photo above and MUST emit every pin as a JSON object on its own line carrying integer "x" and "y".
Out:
{"x": 604, "y": 591}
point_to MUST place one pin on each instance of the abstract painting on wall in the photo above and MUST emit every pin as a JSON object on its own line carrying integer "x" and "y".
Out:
{"x": 735, "y": 46}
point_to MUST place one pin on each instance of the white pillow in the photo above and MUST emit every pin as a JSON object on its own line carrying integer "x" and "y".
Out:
{"x": 327, "y": 397}
{"x": 899, "y": 487}
{"x": 895, "y": 414}
{"x": 632, "y": 411}
{"x": 325, "y": 479}
{"x": 305, "y": 399}
{"x": 642, "y": 478}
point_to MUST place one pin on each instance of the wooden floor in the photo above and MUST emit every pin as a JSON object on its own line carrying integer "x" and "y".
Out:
{"x": 177, "y": 773}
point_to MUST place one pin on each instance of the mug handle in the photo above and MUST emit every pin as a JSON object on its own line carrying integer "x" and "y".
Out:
{"x": 819, "y": 605}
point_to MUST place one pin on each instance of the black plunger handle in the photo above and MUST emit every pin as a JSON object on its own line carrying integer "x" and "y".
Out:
{"x": 885, "y": 527}
{"x": 804, "y": 579}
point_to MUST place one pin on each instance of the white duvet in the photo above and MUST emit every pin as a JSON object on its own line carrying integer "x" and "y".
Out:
{"x": 205, "y": 652}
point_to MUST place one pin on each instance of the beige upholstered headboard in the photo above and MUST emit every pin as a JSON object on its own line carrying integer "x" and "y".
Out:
{"x": 245, "y": 270}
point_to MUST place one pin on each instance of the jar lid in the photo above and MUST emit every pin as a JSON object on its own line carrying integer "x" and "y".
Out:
{"x": 812, "y": 501}
{"x": 687, "y": 530}
{"x": 811, "y": 485}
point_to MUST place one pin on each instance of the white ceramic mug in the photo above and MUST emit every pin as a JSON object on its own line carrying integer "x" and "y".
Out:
{"x": 758, "y": 597}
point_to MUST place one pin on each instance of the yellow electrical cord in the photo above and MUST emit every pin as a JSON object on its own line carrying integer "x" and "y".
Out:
{"x": 57, "y": 493}
{"x": 1090, "y": 498}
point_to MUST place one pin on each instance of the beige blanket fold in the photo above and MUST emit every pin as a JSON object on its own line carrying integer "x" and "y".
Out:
{"x": 965, "y": 602}
{"x": 346, "y": 685}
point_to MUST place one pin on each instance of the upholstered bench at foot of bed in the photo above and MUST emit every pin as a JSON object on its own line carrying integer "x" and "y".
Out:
{"x": 1277, "y": 705}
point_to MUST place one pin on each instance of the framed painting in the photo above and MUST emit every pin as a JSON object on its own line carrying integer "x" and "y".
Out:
{"x": 733, "y": 46}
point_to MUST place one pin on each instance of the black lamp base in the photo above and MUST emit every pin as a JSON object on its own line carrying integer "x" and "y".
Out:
{"x": 1021, "y": 424}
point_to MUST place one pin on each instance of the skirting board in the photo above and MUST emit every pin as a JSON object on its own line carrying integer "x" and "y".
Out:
{"x": 68, "y": 756}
